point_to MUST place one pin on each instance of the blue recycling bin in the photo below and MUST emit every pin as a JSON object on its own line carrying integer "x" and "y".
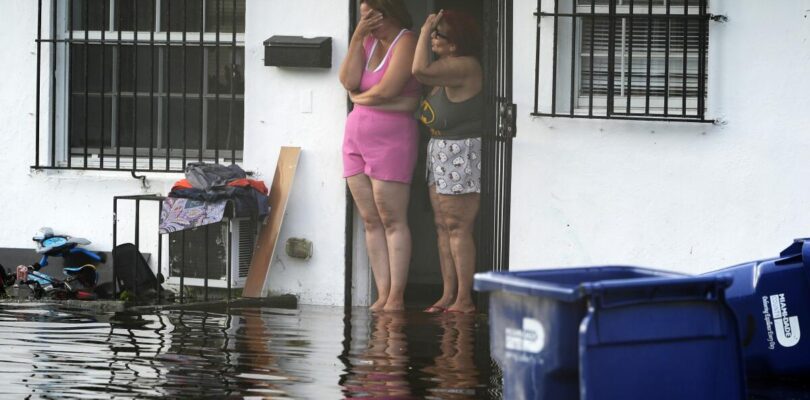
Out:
{"x": 771, "y": 299}
{"x": 612, "y": 332}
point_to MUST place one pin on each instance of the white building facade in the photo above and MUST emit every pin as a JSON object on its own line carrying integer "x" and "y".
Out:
{"x": 683, "y": 196}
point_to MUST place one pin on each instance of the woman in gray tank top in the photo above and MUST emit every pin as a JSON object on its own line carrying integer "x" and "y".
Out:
{"x": 452, "y": 112}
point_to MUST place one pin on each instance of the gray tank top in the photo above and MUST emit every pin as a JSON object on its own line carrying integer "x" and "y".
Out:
{"x": 450, "y": 120}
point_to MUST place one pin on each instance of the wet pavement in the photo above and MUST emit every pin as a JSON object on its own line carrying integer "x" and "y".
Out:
{"x": 53, "y": 351}
{"x": 253, "y": 352}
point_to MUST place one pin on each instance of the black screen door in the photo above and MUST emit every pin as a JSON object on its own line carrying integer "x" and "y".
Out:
{"x": 496, "y": 174}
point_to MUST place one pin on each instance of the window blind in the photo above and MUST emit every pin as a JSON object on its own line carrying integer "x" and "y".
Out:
{"x": 640, "y": 43}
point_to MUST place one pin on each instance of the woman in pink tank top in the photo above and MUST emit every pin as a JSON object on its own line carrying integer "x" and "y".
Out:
{"x": 381, "y": 138}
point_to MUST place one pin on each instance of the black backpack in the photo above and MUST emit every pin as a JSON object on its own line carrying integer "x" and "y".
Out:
{"x": 132, "y": 272}
{"x": 6, "y": 279}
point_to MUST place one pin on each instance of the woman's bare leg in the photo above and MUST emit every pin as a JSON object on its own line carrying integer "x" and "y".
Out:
{"x": 459, "y": 213}
{"x": 392, "y": 199}
{"x": 361, "y": 188}
{"x": 448, "y": 268}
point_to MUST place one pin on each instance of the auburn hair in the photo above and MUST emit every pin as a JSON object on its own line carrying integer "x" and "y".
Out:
{"x": 462, "y": 31}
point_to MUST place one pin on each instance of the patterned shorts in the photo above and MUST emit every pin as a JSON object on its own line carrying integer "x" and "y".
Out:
{"x": 454, "y": 166}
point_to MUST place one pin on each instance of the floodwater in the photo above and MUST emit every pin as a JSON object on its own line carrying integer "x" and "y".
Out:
{"x": 253, "y": 352}
{"x": 49, "y": 351}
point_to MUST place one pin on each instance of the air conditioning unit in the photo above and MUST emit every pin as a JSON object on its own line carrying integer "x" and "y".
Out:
{"x": 189, "y": 252}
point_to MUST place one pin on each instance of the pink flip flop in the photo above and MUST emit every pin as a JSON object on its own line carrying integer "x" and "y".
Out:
{"x": 435, "y": 309}
{"x": 459, "y": 311}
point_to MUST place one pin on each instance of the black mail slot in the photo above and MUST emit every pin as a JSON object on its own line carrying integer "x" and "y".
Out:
{"x": 298, "y": 51}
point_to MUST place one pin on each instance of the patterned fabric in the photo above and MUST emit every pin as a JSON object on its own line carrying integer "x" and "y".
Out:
{"x": 454, "y": 166}
{"x": 179, "y": 214}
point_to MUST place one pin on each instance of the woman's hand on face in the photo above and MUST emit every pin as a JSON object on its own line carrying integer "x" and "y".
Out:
{"x": 368, "y": 23}
{"x": 431, "y": 21}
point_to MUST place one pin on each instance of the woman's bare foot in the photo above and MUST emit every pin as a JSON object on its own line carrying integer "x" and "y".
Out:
{"x": 394, "y": 305}
{"x": 378, "y": 305}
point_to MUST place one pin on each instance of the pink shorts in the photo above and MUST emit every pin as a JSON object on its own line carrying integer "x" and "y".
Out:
{"x": 380, "y": 144}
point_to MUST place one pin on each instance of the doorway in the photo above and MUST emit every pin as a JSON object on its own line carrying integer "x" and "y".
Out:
{"x": 424, "y": 277}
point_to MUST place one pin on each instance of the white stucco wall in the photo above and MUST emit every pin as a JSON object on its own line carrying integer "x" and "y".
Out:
{"x": 284, "y": 107}
{"x": 305, "y": 108}
{"x": 681, "y": 196}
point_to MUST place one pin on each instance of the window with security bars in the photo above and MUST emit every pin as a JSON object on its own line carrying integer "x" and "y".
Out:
{"x": 622, "y": 59}
{"x": 146, "y": 85}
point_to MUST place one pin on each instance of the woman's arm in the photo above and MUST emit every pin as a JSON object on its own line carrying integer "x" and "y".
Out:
{"x": 395, "y": 78}
{"x": 448, "y": 71}
{"x": 351, "y": 69}
{"x": 399, "y": 103}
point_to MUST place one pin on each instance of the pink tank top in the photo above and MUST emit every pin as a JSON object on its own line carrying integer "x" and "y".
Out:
{"x": 370, "y": 78}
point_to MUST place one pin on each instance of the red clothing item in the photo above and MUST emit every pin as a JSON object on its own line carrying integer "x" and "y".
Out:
{"x": 255, "y": 184}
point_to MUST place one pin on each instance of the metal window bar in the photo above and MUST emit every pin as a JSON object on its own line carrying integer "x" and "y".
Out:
{"x": 134, "y": 85}
{"x": 168, "y": 84}
{"x": 537, "y": 57}
{"x": 590, "y": 58}
{"x": 216, "y": 65}
{"x": 54, "y": 17}
{"x": 86, "y": 51}
{"x": 611, "y": 55}
{"x": 649, "y": 58}
{"x": 152, "y": 66}
{"x": 202, "y": 85}
{"x": 233, "y": 85}
{"x": 630, "y": 61}
{"x": 554, "y": 61}
{"x": 666, "y": 58}
{"x": 572, "y": 94}
{"x": 81, "y": 138}
{"x": 684, "y": 60}
{"x": 117, "y": 83}
{"x": 39, "y": 80}
{"x": 185, "y": 79}
{"x": 625, "y": 54}
{"x": 102, "y": 94}
{"x": 704, "y": 32}
{"x": 69, "y": 94}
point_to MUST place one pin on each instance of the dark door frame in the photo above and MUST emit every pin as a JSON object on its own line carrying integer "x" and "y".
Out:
{"x": 499, "y": 130}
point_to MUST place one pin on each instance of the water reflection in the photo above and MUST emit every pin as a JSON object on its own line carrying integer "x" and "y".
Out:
{"x": 241, "y": 352}
{"x": 454, "y": 369}
{"x": 406, "y": 355}
{"x": 48, "y": 351}
{"x": 381, "y": 369}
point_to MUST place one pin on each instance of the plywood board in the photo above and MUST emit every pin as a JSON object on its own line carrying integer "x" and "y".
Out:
{"x": 268, "y": 237}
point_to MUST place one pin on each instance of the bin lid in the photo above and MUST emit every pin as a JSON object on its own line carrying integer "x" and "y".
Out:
{"x": 799, "y": 250}
{"x": 572, "y": 284}
{"x": 296, "y": 41}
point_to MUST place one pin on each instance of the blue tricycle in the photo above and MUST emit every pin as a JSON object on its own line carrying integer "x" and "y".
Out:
{"x": 80, "y": 281}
